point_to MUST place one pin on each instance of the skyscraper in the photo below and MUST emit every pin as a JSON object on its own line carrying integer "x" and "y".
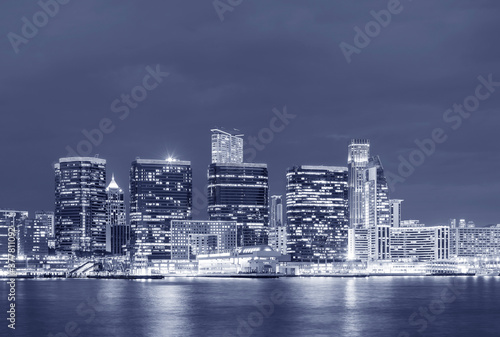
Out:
{"x": 239, "y": 192}
{"x": 227, "y": 147}
{"x": 160, "y": 191}
{"x": 276, "y": 213}
{"x": 117, "y": 230}
{"x": 357, "y": 160}
{"x": 80, "y": 206}
{"x": 277, "y": 228}
{"x": 376, "y": 195}
{"x": 317, "y": 212}
{"x": 395, "y": 205}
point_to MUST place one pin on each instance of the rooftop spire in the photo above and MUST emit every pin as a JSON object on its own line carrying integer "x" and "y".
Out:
{"x": 113, "y": 185}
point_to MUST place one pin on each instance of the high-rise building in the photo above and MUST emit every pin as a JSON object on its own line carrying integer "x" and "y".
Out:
{"x": 191, "y": 238}
{"x": 239, "y": 192}
{"x": 160, "y": 191}
{"x": 80, "y": 206}
{"x": 395, "y": 206}
{"x": 317, "y": 212}
{"x": 117, "y": 230}
{"x": 10, "y": 221}
{"x": 376, "y": 195}
{"x": 357, "y": 160}
{"x": 227, "y": 147}
{"x": 276, "y": 212}
{"x": 277, "y": 228}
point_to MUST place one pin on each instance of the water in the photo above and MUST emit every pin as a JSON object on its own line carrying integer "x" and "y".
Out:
{"x": 375, "y": 306}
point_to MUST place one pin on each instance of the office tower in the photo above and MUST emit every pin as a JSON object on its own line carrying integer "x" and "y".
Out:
{"x": 239, "y": 192}
{"x": 357, "y": 160}
{"x": 191, "y": 238}
{"x": 80, "y": 206}
{"x": 376, "y": 195}
{"x": 160, "y": 191}
{"x": 317, "y": 212}
{"x": 395, "y": 206}
{"x": 453, "y": 223}
{"x": 10, "y": 221}
{"x": 227, "y": 147}
{"x": 277, "y": 228}
{"x": 462, "y": 223}
{"x": 276, "y": 213}
{"x": 117, "y": 230}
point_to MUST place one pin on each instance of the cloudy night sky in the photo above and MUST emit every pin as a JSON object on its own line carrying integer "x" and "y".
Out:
{"x": 264, "y": 55}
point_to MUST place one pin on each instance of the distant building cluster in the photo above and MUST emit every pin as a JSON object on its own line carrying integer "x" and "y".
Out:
{"x": 329, "y": 214}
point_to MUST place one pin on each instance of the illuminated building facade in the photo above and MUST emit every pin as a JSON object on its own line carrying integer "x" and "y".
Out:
{"x": 227, "y": 147}
{"x": 239, "y": 192}
{"x": 317, "y": 213}
{"x": 10, "y": 219}
{"x": 376, "y": 195}
{"x": 420, "y": 243}
{"x": 475, "y": 242}
{"x": 80, "y": 206}
{"x": 191, "y": 238}
{"x": 160, "y": 191}
{"x": 117, "y": 230}
{"x": 395, "y": 207}
{"x": 357, "y": 161}
{"x": 276, "y": 212}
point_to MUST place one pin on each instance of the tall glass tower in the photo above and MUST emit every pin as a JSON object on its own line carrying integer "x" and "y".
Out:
{"x": 357, "y": 161}
{"x": 227, "y": 147}
{"x": 80, "y": 206}
{"x": 376, "y": 199}
{"x": 117, "y": 230}
{"x": 160, "y": 191}
{"x": 276, "y": 214}
{"x": 317, "y": 213}
{"x": 239, "y": 192}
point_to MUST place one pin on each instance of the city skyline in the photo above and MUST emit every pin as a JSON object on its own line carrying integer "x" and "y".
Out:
{"x": 200, "y": 213}
{"x": 392, "y": 98}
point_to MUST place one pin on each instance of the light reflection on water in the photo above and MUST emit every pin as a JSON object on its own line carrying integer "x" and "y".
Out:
{"x": 374, "y": 306}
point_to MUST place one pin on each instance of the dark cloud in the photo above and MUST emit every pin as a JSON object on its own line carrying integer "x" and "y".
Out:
{"x": 264, "y": 55}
